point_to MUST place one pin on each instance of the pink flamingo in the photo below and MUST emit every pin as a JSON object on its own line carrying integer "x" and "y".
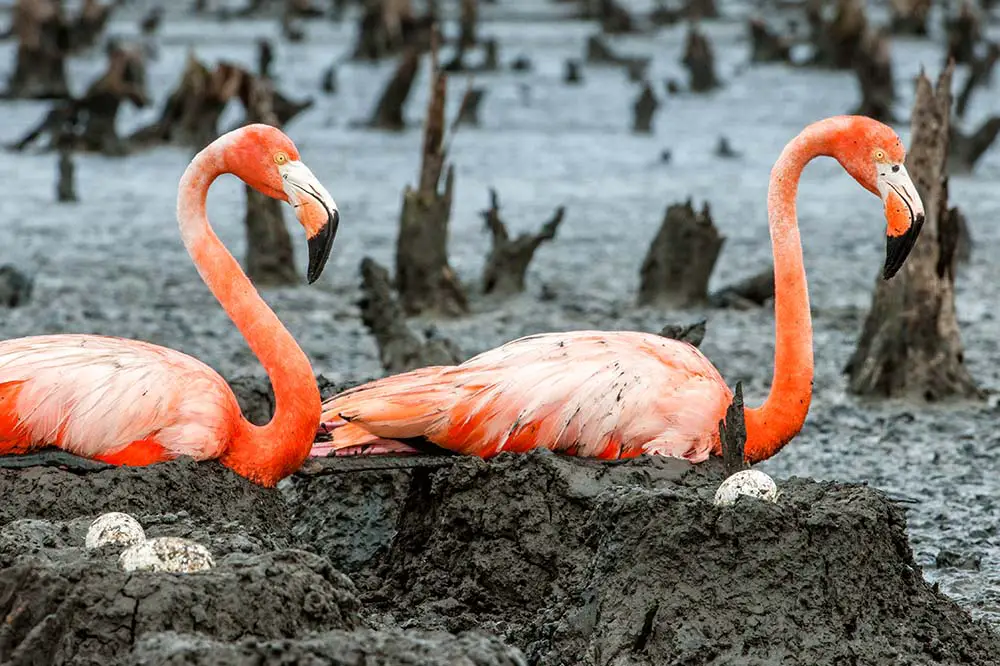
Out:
{"x": 127, "y": 402}
{"x": 621, "y": 394}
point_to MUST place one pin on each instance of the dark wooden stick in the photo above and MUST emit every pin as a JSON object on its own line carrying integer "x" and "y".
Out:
{"x": 733, "y": 433}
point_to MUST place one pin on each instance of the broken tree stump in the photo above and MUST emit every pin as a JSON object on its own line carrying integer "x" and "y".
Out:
{"x": 86, "y": 31}
{"x": 42, "y": 46}
{"x": 964, "y": 32}
{"x": 270, "y": 258}
{"x": 693, "y": 334}
{"x": 66, "y": 187}
{"x": 424, "y": 279}
{"x": 909, "y": 17}
{"x": 752, "y": 292}
{"x": 873, "y": 67}
{"x": 766, "y": 46}
{"x": 571, "y": 73}
{"x": 699, "y": 60}
{"x": 388, "y": 112}
{"x": 680, "y": 259}
{"x": 733, "y": 434}
{"x": 963, "y": 240}
{"x": 508, "y": 261}
{"x": 964, "y": 150}
{"x": 387, "y": 27}
{"x": 15, "y": 287}
{"x": 910, "y": 345}
{"x": 399, "y": 348}
{"x": 190, "y": 116}
{"x": 328, "y": 83}
{"x": 89, "y": 123}
{"x": 467, "y": 23}
{"x": 468, "y": 112}
{"x": 980, "y": 72}
{"x": 643, "y": 109}
{"x": 615, "y": 19}
{"x": 835, "y": 42}
{"x": 265, "y": 56}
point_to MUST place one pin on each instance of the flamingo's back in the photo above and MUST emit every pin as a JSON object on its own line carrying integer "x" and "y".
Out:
{"x": 589, "y": 393}
{"x": 95, "y": 396}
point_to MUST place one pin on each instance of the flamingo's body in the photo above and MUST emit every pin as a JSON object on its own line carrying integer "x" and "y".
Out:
{"x": 110, "y": 399}
{"x": 621, "y": 394}
{"x": 130, "y": 402}
{"x": 588, "y": 393}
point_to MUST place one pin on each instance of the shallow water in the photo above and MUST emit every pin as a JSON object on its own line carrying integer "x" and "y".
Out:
{"x": 113, "y": 263}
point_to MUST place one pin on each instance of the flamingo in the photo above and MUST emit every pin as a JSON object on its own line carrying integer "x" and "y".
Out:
{"x": 127, "y": 402}
{"x": 621, "y": 394}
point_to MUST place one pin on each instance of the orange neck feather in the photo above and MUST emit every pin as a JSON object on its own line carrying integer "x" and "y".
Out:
{"x": 267, "y": 453}
{"x": 779, "y": 419}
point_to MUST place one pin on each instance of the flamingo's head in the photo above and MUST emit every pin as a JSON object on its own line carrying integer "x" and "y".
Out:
{"x": 874, "y": 155}
{"x": 266, "y": 159}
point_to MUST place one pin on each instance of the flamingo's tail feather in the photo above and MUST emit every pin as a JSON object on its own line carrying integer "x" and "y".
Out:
{"x": 373, "y": 417}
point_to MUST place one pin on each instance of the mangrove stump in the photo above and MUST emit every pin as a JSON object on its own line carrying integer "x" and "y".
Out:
{"x": 693, "y": 334}
{"x": 66, "y": 187}
{"x": 680, "y": 259}
{"x": 910, "y": 345}
{"x": 399, "y": 348}
{"x": 752, "y": 292}
{"x": 424, "y": 279}
{"x": 643, "y": 110}
{"x": 508, "y": 261}
{"x": 873, "y": 67}
{"x": 699, "y": 60}
{"x": 964, "y": 150}
{"x": 270, "y": 256}
{"x": 388, "y": 112}
{"x": 766, "y": 46}
{"x": 15, "y": 287}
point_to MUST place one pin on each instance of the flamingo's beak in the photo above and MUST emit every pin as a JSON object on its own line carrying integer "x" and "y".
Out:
{"x": 316, "y": 211}
{"x": 904, "y": 215}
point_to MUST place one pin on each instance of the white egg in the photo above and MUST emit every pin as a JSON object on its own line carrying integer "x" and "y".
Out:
{"x": 749, "y": 482}
{"x": 167, "y": 555}
{"x": 118, "y": 529}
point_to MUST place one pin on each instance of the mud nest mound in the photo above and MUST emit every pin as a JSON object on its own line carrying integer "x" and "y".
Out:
{"x": 534, "y": 559}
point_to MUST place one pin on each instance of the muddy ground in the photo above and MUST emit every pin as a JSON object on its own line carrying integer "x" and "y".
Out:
{"x": 477, "y": 556}
{"x": 524, "y": 559}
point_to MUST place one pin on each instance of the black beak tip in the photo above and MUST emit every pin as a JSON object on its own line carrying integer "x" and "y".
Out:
{"x": 320, "y": 246}
{"x": 897, "y": 248}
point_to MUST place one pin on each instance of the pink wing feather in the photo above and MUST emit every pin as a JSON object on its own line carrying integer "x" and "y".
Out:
{"x": 94, "y": 395}
{"x": 592, "y": 393}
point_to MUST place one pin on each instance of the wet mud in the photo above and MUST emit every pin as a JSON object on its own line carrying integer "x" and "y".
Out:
{"x": 531, "y": 559}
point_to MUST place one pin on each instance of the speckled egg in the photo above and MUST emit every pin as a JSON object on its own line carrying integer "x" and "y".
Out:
{"x": 749, "y": 482}
{"x": 167, "y": 555}
{"x": 118, "y": 529}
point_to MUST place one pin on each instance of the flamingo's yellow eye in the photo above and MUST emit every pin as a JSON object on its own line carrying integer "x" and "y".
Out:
{"x": 280, "y": 158}
{"x": 879, "y": 155}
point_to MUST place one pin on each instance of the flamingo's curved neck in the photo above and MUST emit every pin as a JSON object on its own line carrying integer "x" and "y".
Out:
{"x": 773, "y": 424}
{"x": 271, "y": 452}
